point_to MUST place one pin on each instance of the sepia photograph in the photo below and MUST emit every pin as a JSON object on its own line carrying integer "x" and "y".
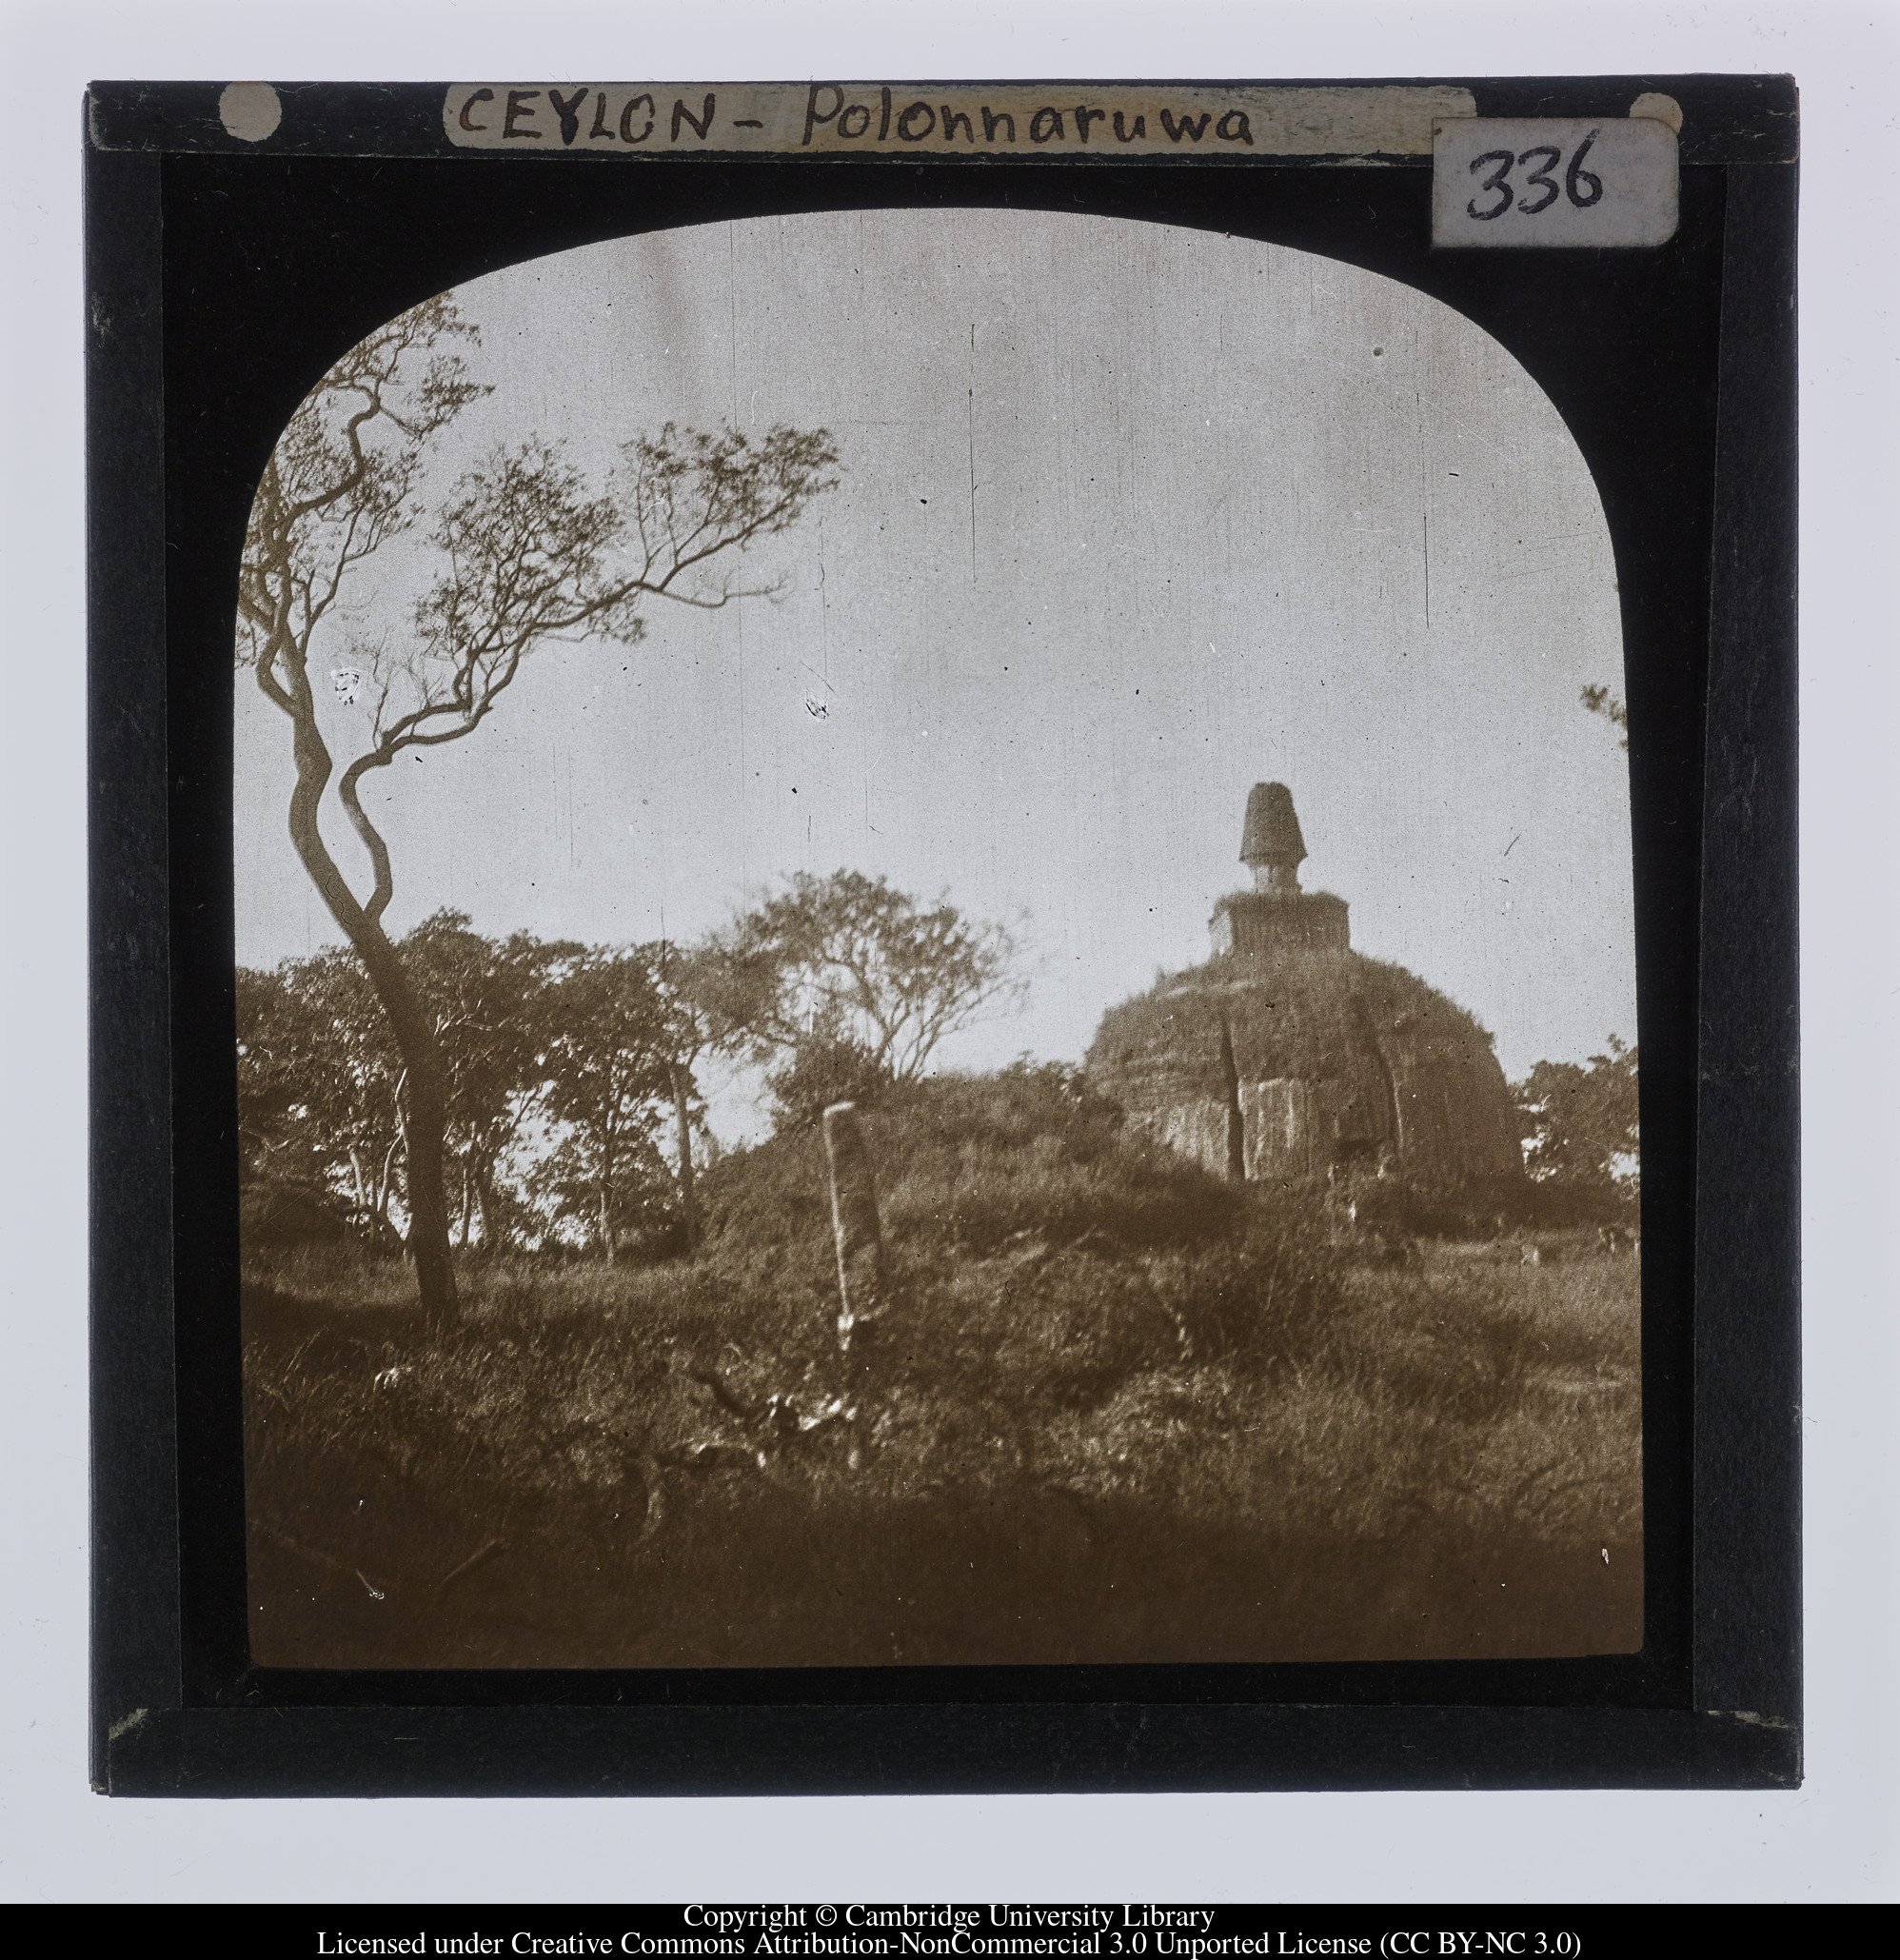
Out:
{"x": 936, "y": 965}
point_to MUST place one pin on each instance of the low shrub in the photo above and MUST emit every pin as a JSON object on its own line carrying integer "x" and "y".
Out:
{"x": 825, "y": 1069}
{"x": 1409, "y": 1206}
{"x": 1271, "y": 1295}
{"x": 1109, "y": 1406}
{"x": 969, "y": 1162}
{"x": 972, "y": 1163}
{"x": 275, "y": 1214}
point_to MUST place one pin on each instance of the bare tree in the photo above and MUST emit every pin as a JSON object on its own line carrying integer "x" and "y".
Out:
{"x": 526, "y": 556}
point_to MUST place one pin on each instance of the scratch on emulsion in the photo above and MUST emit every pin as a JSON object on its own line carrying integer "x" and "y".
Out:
{"x": 970, "y": 423}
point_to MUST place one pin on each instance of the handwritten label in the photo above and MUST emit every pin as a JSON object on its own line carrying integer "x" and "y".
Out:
{"x": 939, "y": 119}
{"x": 1530, "y": 181}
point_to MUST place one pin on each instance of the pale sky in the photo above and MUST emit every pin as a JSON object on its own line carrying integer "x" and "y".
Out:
{"x": 1131, "y": 517}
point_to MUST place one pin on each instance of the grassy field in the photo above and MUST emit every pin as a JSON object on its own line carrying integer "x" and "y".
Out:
{"x": 1111, "y": 1409}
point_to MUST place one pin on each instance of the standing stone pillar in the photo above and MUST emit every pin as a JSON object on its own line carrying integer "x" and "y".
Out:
{"x": 855, "y": 1226}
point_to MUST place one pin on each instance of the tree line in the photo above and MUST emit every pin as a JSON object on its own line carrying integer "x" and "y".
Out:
{"x": 572, "y": 1101}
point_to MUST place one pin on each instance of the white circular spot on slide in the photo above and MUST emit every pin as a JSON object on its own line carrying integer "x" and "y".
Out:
{"x": 249, "y": 111}
{"x": 1659, "y": 109}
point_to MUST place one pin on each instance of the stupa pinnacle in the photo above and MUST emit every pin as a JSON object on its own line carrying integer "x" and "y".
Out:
{"x": 1275, "y": 916}
{"x": 1271, "y": 845}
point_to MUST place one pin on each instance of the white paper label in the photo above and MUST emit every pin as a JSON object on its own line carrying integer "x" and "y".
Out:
{"x": 1106, "y": 119}
{"x": 1560, "y": 181}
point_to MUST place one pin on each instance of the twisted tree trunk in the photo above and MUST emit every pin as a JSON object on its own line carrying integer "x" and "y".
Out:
{"x": 409, "y": 1022}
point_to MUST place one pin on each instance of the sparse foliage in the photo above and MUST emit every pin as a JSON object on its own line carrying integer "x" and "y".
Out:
{"x": 847, "y": 969}
{"x": 694, "y": 496}
{"x": 1600, "y": 701}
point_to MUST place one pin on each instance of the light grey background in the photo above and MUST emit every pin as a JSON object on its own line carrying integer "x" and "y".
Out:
{"x": 1131, "y": 517}
{"x": 1835, "y": 1838}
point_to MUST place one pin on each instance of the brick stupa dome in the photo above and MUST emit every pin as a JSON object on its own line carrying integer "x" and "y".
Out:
{"x": 1288, "y": 1055}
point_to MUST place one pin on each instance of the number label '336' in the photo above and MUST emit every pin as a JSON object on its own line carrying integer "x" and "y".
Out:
{"x": 1528, "y": 180}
